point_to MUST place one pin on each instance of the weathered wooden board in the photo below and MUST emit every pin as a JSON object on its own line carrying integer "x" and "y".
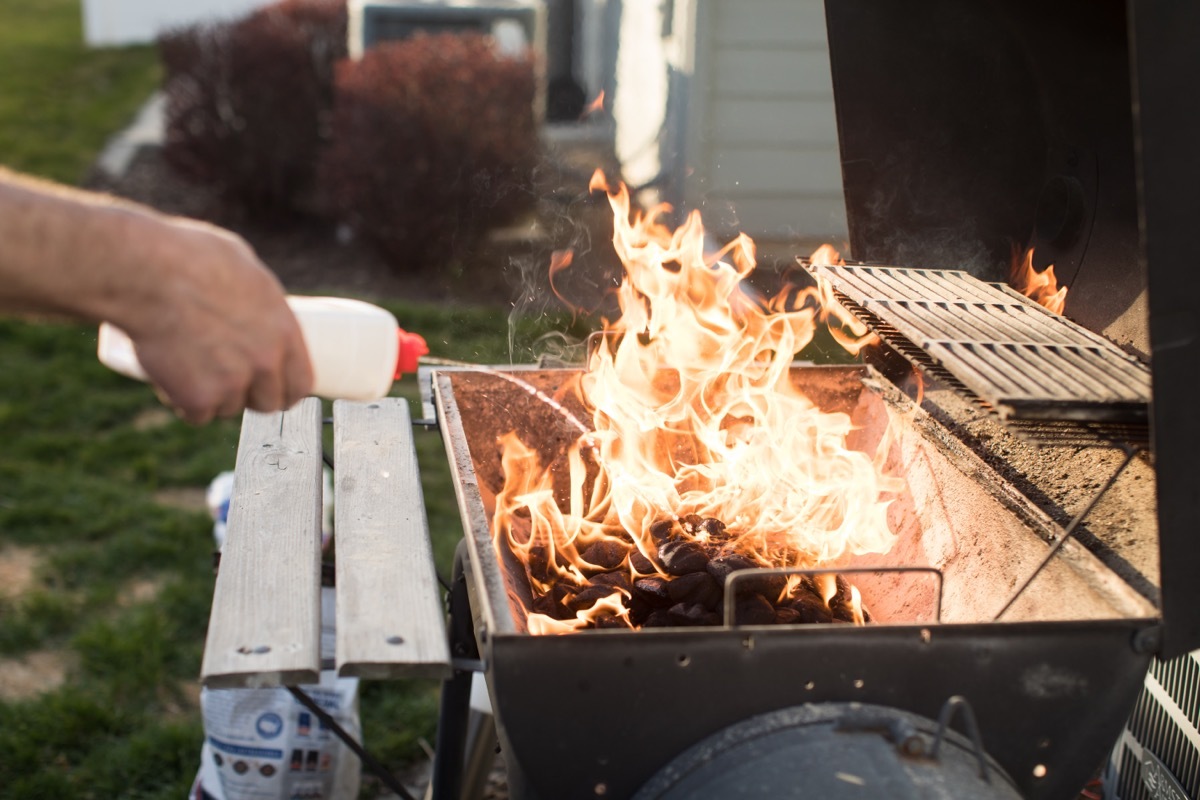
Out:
{"x": 265, "y": 625}
{"x": 390, "y": 621}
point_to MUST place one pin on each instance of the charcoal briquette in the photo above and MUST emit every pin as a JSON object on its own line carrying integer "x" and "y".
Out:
{"x": 680, "y": 556}
{"x": 754, "y": 609}
{"x": 617, "y": 579}
{"x": 642, "y": 564}
{"x": 653, "y": 589}
{"x": 696, "y": 588}
{"x": 724, "y": 564}
{"x": 663, "y": 529}
{"x": 787, "y": 616}
{"x": 810, "y": 608}
{"x": 659, "y": 618}
{"x": 691, "y": 615}
{"x": 604, "y": 554}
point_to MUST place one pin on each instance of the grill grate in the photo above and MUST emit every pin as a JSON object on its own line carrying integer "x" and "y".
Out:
{"x": 1050, "y": 379}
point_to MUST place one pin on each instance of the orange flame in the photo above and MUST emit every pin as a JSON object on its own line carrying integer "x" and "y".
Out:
{"x": 596, "y": 105}
{"x": 1041, "y": 287}
{"x": 695, "y": 413}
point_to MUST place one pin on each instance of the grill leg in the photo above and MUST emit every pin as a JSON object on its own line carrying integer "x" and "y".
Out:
{"x": 453, "y": 716}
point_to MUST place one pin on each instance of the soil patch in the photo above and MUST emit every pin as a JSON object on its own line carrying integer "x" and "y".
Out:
{"x": 17, "y": 567}
{"x": 32, "y": 674}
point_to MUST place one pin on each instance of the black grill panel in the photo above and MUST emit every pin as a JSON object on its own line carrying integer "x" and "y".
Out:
{"x": 1166, "y": 722}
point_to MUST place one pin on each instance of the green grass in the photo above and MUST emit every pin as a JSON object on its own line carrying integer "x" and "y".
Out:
{"x": 60, "y": 101}
{"x": 79, "y": 469}
{"x": 83, "y": 453}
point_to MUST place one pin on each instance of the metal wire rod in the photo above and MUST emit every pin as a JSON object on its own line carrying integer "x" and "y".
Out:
{"x": 1130, "y": 452}
{"x": 368, "y": 761}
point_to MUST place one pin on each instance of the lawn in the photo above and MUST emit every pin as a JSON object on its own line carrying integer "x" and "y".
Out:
{"x": 105, "y": 544}
{"x": 59, "y": 101}
{"x": 118, "y": 595}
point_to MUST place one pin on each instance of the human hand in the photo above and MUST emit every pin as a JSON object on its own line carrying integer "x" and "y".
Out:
{"x": 210, "y": 323}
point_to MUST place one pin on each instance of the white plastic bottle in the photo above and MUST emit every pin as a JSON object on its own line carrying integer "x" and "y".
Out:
{"x": 356, "y": 349}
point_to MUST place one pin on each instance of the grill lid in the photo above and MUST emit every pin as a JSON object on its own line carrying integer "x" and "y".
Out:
{"x": 1028, "y": 364}
{"x": 965, "y": 128}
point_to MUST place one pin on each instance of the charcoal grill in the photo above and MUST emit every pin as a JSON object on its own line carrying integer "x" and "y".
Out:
{"x": 965, "y": 130}
{"x": 1040, "y": 509}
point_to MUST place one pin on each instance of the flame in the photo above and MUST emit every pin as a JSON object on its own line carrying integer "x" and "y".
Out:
{"x": 596, "y": 105}
{"x": 701, "y": 439}
{"x": 1041, "y": 287}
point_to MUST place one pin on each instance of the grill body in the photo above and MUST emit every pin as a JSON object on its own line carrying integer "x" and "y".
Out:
{"x": 599, "y": 712}
{"x": 609, "y": 708}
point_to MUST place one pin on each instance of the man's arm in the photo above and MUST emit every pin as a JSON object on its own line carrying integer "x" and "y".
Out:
{"x": 209, "y": 321}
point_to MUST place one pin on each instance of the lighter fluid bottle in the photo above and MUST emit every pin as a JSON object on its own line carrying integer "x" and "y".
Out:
{"x": 356, "y": 349}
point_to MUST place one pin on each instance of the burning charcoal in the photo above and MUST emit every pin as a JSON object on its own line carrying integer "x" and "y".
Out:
{"x": 769, "y": 586}
{"x": 692, "y": 615}
{"x": 714, "y": 528}
{"x": 605, "y": 554}
{"x": 663, "y": 529}
{"x": 810, "y": 608}
{"x": 642, "y": 564}
{"x": 724, "y": 564}
{"x": 754, "y": 609}
{"x": 692, "y": 523}
{"x": 545, "y": 604}
{"x": 539, "y": 562}
{"x": 563, "y": 592}
{"x": 588, "y": 597}
{"x": 787, "y": 616}
{"x": 839, "y": 604}
{"x": 617, "y": 579}
{"x": 698, "y": 588}
{"x": 679, "y": 557}
{"x": 608, "y": 621}
{"x": 639, "y": 610}
{"x": 658, "y": 619}
{"x": 653, "y": 590}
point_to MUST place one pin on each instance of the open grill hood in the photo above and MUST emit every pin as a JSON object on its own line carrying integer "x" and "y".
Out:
{"x": 970, "y": 129}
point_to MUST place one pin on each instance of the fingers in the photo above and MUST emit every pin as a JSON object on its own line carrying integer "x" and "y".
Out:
{"x": 266, "y": 391}
{"x": 297, "y": 375}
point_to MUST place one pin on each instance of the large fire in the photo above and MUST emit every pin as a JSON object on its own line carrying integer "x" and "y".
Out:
{"x": 705, "y": 456}
{"x": 1041, "y": 287}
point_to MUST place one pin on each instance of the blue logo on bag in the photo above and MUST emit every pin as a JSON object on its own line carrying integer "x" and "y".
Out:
{"x": 269, "y": 725}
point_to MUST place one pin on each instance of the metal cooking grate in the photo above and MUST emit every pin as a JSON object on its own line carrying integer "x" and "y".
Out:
{"x": 1052, "y": 379}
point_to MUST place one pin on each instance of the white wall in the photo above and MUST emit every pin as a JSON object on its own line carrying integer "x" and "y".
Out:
{"x": 761, "y": 137}
{"x": 728, "y": 108}
{"x": 117, "y": 22}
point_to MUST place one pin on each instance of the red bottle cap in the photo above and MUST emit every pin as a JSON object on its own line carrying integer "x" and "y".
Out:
{"x": 412, "y": 347}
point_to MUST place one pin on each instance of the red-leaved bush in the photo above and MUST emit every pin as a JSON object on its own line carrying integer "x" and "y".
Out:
{"x": 433, "y": 141}
{"x": 247, "y": 102}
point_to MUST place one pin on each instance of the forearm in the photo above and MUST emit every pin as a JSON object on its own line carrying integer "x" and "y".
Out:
{"x": 209, "y": 321}
{"x": 71, "y": 252}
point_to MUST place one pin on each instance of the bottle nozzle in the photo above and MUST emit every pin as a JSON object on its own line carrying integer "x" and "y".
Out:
{"x": 412, "y": 347}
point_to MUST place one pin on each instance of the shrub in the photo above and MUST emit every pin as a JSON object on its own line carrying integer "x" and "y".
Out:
{"x": 247, "y": 102}
{"x": 433, "y": 141}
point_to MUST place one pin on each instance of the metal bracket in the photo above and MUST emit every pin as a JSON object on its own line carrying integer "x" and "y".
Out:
{"x": 944, "y": 718}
